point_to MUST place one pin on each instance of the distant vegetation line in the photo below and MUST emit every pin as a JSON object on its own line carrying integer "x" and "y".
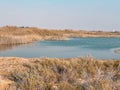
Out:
{"x": 21, "y": 35}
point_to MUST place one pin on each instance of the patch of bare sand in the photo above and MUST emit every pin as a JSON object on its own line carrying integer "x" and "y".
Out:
{"x": 117, "y": 51}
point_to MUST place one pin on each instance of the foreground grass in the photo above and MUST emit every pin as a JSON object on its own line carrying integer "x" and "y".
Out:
{"x": 62, "y": 74}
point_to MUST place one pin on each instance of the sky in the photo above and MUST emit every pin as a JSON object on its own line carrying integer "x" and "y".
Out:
{"x": 62, "y": 14}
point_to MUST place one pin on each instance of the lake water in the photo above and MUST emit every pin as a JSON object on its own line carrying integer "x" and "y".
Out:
{"x": 101, "y": 48}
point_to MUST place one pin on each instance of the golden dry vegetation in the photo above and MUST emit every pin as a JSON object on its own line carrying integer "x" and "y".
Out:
{"x": 59, "y": 74}
{"x": 20, "y": 35}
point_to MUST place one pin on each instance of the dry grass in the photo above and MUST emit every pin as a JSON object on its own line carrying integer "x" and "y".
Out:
{"x": 61, "y": 74}
{"x": 19, "y": 35}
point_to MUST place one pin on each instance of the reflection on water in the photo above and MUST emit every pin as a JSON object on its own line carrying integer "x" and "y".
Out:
{"x": 102, "y": 48}
{"x": 9, "y": 47}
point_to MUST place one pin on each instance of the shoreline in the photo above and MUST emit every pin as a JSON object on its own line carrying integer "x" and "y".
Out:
{"x": 117, "y": 51}
{"x": 17, "y": 35}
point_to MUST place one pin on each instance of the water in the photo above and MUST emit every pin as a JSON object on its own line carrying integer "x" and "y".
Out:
{"x": 101, "y": 48}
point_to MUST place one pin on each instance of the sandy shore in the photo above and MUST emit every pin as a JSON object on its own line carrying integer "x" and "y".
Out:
{"x": 55, "y": 73}
{"x": 117, "y": 51}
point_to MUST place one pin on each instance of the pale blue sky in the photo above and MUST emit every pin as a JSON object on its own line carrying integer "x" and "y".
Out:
{"x": 62, "y": 14}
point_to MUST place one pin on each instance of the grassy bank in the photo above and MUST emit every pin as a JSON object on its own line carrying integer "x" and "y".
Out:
{"x": 54, "y": 73}
{"x": 20, "y": 35}
{"x": 59, "y": 74}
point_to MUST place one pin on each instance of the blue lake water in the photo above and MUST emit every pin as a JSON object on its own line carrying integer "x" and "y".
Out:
{"x": 101, "y": 48}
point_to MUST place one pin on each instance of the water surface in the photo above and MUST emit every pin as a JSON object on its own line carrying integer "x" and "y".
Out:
{"x": 101, "y": 48}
